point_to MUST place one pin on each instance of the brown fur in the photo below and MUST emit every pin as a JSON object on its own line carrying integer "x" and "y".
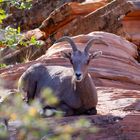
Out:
{"x": 73, "y": 87}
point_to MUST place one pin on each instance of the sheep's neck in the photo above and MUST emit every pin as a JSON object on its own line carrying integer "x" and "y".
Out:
{"x": 84, "y": 81}
{"x": 82, "y": 85}
{"x": 86, "y": 89}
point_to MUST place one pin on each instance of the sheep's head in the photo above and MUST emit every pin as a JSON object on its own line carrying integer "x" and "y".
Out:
{"x": 80, "y": 59}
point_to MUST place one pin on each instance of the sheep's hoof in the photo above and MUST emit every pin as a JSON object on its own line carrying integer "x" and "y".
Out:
{"x": 92, "y": 111}
{"x": 46, "y": 113}
{"x": 50, "y": 113}
{"x": 69, "y": 113}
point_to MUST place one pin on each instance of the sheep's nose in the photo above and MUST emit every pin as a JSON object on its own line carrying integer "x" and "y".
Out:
{"x": 78, "y": 74}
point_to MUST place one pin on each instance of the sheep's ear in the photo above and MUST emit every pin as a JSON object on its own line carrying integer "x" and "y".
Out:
{"x": 66, "y": 54}
{"x": 95, "y": 54}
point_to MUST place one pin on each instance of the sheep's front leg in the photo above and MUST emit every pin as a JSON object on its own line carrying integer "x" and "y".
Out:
{"x": 68, "y": 111}
{"x": 91, "y": 111}
{"x": 62, "y": 108}
{"x": 48, "y": 111}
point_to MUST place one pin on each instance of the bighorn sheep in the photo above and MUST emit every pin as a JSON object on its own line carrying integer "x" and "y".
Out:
{"x": 73, "y": 87}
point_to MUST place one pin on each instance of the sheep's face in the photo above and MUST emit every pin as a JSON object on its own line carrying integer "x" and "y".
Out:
{"x": 80, "y": 61}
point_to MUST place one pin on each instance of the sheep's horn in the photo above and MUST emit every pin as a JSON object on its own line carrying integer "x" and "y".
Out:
{"x": 69, "y": 40}
{"x": 90, "y": 42}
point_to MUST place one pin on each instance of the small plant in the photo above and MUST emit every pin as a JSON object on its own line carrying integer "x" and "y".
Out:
{"x": 2, "y": 15}
{"x": 12, "y": 38}
{"x": 33, "y": 126}
{"x": 20, "y": 4}
{"x": 3, "y": 131}
{"x": 2, "y": 65}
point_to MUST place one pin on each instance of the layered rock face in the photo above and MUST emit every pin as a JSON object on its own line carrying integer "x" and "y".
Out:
{"x": 82, "y": 18}
{"x": 118, "y": 65}
{"x": 116, "y": 73}
{"x": 77, "y": 18}
{"x": 131, "y": 24}
{"x": 32, "y": 18}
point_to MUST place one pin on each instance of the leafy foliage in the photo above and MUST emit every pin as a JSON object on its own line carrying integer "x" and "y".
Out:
{"x": 12, "y": 37}
{"x": 34, "y": 127}
{"x": 20, "y": 4}
{"x": 2, "y": 65}
{"x": 3, "y": 132}
{"x": 2, "y": 15}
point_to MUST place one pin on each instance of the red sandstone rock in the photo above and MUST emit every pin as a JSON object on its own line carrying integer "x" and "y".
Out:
{"x": 131, "y": 25}
{"x": 117, "y": 67}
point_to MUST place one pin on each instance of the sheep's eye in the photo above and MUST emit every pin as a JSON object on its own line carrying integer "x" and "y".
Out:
{"x": 87, "y": 62}
{"x": 71, "y": 61}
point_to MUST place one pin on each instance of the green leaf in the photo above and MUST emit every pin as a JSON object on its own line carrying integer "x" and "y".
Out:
{"x": 2, "y": 65}
{"x": 2, "y": 11}
{"x": 18, "y": 30}
{"x": 2, "y": 15}
{"x": 33, "y": 40}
